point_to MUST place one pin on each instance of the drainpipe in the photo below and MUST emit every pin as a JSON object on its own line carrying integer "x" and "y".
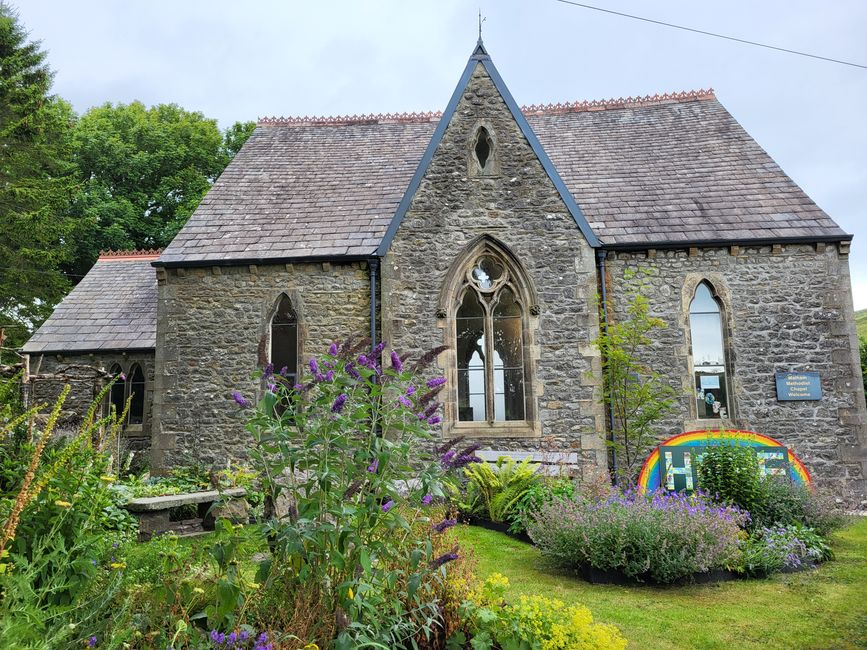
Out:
{"x": 373, "y": 268}
{"x": 601, "y": 256}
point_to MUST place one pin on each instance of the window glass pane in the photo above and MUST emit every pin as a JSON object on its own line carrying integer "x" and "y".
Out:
{"x": 284, "y": 340}
{"x": 137, "y": 391}
{"x": 486, "y": 272}
{"x": 708, "y": 355}
{"x": 117, "y": 396}
{"x": 470, "y": 335}
{"x": 508, "y": 359}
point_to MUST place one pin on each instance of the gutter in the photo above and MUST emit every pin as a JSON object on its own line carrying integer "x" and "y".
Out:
{"x": 259, "y": 261}
{"x": 707, "y": 243}
{"x": 601, "y": 256}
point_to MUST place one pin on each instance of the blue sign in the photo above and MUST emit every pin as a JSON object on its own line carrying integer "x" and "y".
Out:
{"x": 792, "y": 386}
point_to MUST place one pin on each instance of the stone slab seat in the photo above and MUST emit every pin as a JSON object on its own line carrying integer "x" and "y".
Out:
{"x": 552, "y": 463}
{"x": 150, "y": 504}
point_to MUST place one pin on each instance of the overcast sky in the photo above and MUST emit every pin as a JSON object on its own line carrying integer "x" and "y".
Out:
{"x": 237, "y": 60}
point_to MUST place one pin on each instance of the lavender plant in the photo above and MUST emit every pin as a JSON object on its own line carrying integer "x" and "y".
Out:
{"x": 662, "y": 537}
{"x": 348, "y": 471}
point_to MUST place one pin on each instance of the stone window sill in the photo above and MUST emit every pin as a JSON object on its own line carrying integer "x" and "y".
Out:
{"x": 709, "y": 423}
{"x": 522, "y": 429}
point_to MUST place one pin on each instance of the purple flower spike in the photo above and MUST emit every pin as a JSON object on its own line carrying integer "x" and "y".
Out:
{"x": 329, "y": 376}
{"x": 373, "y": 466}
{"x": 233, "y": 637}
{"x": 434, "y": 419}
{"x": 338, "y": 403}
{"x": 443, "y": 559}
{"x": 240, "y": 400}
{"x": 403, "y": 400}
{"x": 445, "y": 524}
{"x": 243, "y": 636}
{"x": 362, "y": 360}
{"x": 427, "y": 499}
{"x": 284, "y": 371}
{"x": 388, "y": 505}
{"x": 379, "y": 348}
{"x": 272, "y": 388}
{"x": 91, "y": 642}
{"x": 437, "y": 381}
{"x": 332, "y": 350}
{"x": 269, "y": 370}
{"x": 410, "y": 390}
{"x": 314, "y": 366}
{"x": 396, "y": 363}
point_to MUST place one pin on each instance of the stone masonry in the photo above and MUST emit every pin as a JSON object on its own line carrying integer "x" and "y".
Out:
{"x": 785, "y": 308}
{"x": 211, "y": 338}
{"x": 513, "y": 201}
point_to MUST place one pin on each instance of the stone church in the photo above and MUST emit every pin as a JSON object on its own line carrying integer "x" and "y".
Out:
{"x": 492, "y": 229}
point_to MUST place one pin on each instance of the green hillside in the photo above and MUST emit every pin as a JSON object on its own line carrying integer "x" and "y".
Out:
{"x": 861, "y": 322}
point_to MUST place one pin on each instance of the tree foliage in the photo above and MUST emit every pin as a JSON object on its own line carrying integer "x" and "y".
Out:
{"x": 35, "y": 181}
{"x": 636, "y": 396}
{"x": 143, "y": 171}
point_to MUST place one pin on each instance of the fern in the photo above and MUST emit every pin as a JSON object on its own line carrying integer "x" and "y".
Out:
{"x": 494, "y": 491}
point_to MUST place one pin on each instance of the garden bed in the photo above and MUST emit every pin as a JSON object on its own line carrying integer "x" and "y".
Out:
{"x": 498, "y": 526}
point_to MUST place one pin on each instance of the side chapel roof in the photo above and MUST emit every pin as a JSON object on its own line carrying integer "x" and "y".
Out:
{"x": 113, "y": 308}
{"x": 671, "y": 168}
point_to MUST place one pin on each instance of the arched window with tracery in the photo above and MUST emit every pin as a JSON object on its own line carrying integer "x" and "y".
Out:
{"x": 117, "y": 393}
{"x": 284, "y": 339}
{"x": 709, "y": 360}
{"x": 137, "y": 395}
{"x": 490, "y": 325}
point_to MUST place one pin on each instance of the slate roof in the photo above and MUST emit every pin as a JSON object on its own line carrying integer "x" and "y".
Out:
{"x": 661, "y": 169}
{"x": 113, "y": 308}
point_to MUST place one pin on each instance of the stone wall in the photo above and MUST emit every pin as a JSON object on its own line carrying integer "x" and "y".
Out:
{"x": 786, "y": 308}
{"x": 86, "y": 375}
{"x": 212, "y": 332}
{"x": 513, "y": 201}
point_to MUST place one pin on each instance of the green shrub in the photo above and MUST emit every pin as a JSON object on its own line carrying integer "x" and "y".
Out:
{"x": 532, "y": 622}
{"x": 731, "y": 474}
{"x": 785, "y": 503}
{"x": 494, "y": 492}
{"x": 537, "y": 495}
{"x": 769, "y": 550}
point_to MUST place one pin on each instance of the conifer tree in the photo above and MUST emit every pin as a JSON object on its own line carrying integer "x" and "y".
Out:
{"x": 35, "y": 182}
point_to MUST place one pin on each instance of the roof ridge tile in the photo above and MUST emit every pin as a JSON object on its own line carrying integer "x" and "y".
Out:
{"x": 132, "y": 254}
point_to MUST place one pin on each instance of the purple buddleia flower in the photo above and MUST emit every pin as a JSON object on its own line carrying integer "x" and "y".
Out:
{"x": 396, "y": 363}
{"x": 445, "y": 524}
{"x": 388, "y": 505}
{"x": 410, "y": 389}
{"x": 269, "y": 370}
{"x": 434, "y": 419}
{"x": 233, "y": 638}
{"x": 243, "y": 636}
{"x": 377, "y": 350}
{"x": 91, "y": 642}
{"x": 403, "y": 400}
{"x": 446, "y": 459}
{"x": 240, "y": 400}
{"x": 314, "y": 366}
{"x": 329, "y": 376}
{"x": 437, "y": 381}
{"x": 427, "y": 499}
{"x": 272, "y": 388}
{"x": 351, "y": 371}
{"x": 362, "y": 360}
{"x": 373, "y": 466}
{"x": 443, "y": 559}
{"x": 430, "y": 410}
{"x": 338, "y": 403}
{"x": 284, "y": 371}
{"x": 332, "y": 350}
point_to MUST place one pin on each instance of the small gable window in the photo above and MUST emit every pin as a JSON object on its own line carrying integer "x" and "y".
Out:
{"x": 489, "y": 332}
{"x": 708, "y": 354}
{"x": 137, "y": 395}
{"x": 284, "y": 339}
{"x": 117, "y": 394}
{"x": 484, "y": 146}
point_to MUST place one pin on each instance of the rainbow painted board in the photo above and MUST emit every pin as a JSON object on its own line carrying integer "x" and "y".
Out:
{"x": 672, "y": 465}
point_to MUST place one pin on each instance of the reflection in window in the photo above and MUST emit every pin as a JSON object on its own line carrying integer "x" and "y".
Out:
{"x": 284, "y": 340}
{"x": 490, "y": 354}
{"x": 136, "y": 391}
{"x": 708, "y": 354}
{"x": 117, "y": 395}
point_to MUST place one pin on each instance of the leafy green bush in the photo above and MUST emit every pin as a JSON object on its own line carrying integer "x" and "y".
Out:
{"x": 731, "y": 474}
{"x": 532, "y": 622}
{"x": 537, "y": 495}
{"x": 769, "y": 550}
{"x": 786, "y": 503}
{"x": 494, "y": 492}
{"x": 661, "y": 536}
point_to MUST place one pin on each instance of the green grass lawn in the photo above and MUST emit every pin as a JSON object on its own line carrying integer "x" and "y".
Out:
{"x": 861, "y": 322}
{"x": 825, "y": 608}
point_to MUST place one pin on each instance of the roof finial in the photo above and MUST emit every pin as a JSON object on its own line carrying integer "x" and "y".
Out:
{"x": 481, "y": 20}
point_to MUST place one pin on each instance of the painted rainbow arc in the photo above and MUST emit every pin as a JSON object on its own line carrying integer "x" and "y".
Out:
{"x": 649, "y": 478}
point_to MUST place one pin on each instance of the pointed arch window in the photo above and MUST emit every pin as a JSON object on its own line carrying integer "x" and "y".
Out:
{"x": 137, "y": 395}
{"x": 117, "y": 393}
{"x": 284, "y": 339}
{"x": 484, "y": 146}
{"x": 708, "y": 354}
{"x": 489, "y": 333}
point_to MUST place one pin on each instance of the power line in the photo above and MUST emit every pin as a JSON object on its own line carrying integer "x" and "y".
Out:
{"x": 700, "y": 31}
{"x": 56, "y": 272}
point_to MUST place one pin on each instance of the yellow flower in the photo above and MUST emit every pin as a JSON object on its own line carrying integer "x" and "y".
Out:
{"x": 62, "y": 504}
{"x": 118, "y": 565}
{"x": 198, "y": 590}
{"x": 351, "y": 595}
{"x": 3, "y": 566}
{"x": 310, "y": 646}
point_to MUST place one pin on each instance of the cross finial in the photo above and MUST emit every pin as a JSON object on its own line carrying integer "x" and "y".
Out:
{"x": 481, "y": 20}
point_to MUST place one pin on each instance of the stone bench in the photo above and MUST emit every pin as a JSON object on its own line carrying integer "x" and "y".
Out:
{"x": 158, "y": 514}
{"x": 551, "y": 463}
